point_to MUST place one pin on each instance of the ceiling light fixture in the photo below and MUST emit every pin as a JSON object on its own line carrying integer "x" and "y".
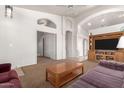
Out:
{"x": 89, "y": 24}
{"x": 103, "y": 20}
{"x": 8, "y": 11}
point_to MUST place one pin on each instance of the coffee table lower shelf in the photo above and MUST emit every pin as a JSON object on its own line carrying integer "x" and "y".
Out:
{"x": 63, "y": 80}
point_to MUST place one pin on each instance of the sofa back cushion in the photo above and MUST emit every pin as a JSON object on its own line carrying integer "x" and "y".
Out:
{"x": 112, "y": 65}
{"x": 5, "y": 67}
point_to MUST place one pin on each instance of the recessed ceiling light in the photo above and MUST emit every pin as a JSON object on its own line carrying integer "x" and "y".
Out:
{"x": 122, "y": 15}
{"x": 89, "y": 24}
{"x": 103, "y": 20}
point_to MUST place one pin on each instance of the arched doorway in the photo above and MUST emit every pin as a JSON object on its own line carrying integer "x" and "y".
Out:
{"x": 46, "y": 45}
{"x": 68, "y": 40}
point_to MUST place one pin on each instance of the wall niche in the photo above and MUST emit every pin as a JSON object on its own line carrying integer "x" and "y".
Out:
{"x": 46, "y": 22}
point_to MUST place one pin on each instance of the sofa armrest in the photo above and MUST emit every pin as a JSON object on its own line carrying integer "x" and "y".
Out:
{"x": 5, "y": 67}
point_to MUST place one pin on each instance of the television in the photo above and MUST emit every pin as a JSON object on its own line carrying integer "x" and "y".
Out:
{"x": 106, "y": 44}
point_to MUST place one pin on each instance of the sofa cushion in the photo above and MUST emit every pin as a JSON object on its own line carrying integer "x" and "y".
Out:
{"x": 102, "y": 80}
{"x": 13, "y": 74}
{"x": 81, "y": 84}
{"x": 10, "y": 79}
{"x": 123, "y": 84}
{"x": 5, "y": 67}
{"x": 112, "y": 65}
{"x": 16, "y": 83}
{"x": 111, "y": 72}
{"x": 4, "y": 77}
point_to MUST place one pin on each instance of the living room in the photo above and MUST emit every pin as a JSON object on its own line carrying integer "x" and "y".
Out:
{"x": 61, "y": 46}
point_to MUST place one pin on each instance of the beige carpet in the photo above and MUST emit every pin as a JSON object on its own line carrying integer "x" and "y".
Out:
{"x": 34, "y": 75}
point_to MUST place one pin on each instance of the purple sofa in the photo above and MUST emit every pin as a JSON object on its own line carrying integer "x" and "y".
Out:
{"x": 8, "y": 77}
{"x": 104, "y": 75}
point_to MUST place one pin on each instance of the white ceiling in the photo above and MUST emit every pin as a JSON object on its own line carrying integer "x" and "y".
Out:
{"x": 83, "y": 11}
{"x": 59, "y": 9}
{"x": 108, "y": 19}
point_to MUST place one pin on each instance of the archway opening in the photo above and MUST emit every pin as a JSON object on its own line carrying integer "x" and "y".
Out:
{"x": 46, "y": 46}
{"x": 68, "y": 40}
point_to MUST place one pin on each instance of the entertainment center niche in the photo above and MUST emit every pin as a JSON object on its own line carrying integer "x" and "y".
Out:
{"x": 103, "y": 47}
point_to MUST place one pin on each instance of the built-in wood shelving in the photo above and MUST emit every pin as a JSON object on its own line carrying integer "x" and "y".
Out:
{"x": 96, "y": 55}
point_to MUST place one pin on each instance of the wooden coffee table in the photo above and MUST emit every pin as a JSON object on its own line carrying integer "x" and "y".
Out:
{"x": 61, "y": 73}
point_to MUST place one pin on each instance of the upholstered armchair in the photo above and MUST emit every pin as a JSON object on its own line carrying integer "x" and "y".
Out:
{"x": 8, "y": 77}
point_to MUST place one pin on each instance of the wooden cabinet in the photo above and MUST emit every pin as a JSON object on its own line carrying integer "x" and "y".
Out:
{"x": 91, "y": 55}
{"x": 119, "y": 56}
{"x": 105, "y": 55}
{"x": 96, "y": 55}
